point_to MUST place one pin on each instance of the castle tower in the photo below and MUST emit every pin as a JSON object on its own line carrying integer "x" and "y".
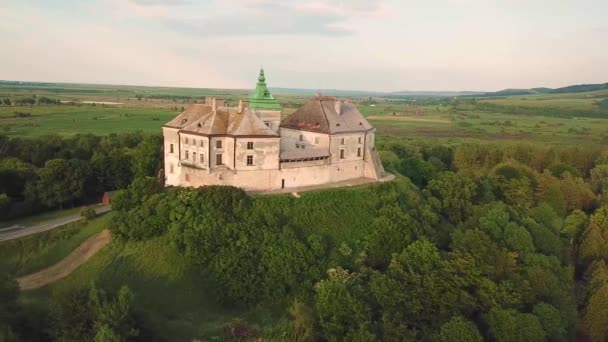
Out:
{"x": 261, "y": 97}
{"x": 264, "y": 105}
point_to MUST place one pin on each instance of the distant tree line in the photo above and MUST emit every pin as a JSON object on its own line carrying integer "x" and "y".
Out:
{"x": 47, "y": 172}
{"x": 30, "y": 101}
{"x": 461, "y": 104}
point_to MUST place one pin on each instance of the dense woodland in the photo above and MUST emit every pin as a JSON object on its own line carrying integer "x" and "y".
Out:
{"x": 471, "y": 242}
{"x": 37, "y": 174}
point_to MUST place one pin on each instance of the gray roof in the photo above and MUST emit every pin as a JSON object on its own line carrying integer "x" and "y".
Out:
{"x": 202, "y": 119}
{"x": 304, "y": 153}
{"x": 327, "y": 114}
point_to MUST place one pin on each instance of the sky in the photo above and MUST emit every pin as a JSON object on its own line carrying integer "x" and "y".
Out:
{"x": 382, "y": 45}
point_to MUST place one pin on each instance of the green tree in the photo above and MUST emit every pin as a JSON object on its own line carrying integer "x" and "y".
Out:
{"x": 106, "y": 334}
{"x": 594, "y": 244}
{"x": 454, "y": 193}
{"x": 339, "y": 305}
{"x": 458, "y": 329}
{"x": 574, "y": 225}
{"x": 419, "y": 288}
{"x": 508, "y": 325}
{"x": 596, "y": 314}
{"x": 550, "y": 319}
{"x": 61, "y": 181}
{"x": 147, "y": 156}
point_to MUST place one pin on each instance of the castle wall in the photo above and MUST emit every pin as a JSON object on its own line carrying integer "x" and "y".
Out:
{"x": 265, "y": 153}
{"x": 171, "y": 152}
{"x": 353, "y": 145}
{"x": 289, "y": 138}
{"x": 306, "y": 174}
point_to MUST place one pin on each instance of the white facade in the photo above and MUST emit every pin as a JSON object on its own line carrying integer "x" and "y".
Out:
{"x": 281, "y": 157}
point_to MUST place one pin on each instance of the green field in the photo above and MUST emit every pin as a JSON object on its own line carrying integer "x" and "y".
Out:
{"x": 550, "y": 118}
{"x": 66, "y": 120}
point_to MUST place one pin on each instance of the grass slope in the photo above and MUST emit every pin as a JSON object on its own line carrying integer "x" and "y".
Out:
{"x": 38, "y": 251}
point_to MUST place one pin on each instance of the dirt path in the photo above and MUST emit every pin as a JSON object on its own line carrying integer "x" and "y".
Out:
{"x": 68, "y": 265}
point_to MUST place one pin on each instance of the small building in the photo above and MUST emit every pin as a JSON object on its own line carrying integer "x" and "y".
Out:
{"x": 106, "y": 199}
{"x": 251, "y": 146}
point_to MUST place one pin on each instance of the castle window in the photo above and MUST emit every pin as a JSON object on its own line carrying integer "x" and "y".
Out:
{"x": 186, "y": 154}
{"x": 194, "y": 157}
{"x": 341, "y": 153}
{"x": 202, "y": 157}
{"x": 171, "y": 148}
{"x": 202, "y": 143}
{"x": 317, "y": 140}
{"x": 359, "y": 140}
{"x": 342, "y": 141}
{"x": 301, "y": 137}
{"x": 218, "y": 159}
{"x": 249, "y": 160}
{"x": 359, "y": 152}
{"x": 250, "y": 145}
{"x": 186, "y": 140}
{"x": 218, "y": 144}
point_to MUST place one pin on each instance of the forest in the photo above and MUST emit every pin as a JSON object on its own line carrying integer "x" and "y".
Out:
{"x": 37, "y": 174}
{"x": 472, "y": 241}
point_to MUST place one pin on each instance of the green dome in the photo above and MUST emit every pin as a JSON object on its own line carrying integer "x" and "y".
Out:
{"x": 261, "y": 97}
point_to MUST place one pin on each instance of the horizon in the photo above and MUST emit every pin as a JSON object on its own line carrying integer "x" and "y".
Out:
{"x": 312, "y": 44}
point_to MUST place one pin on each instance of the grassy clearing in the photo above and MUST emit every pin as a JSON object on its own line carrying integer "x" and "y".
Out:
{"x": 38, "y": 251}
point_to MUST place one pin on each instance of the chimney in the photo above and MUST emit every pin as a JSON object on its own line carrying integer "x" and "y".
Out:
{"x": 338, "y": 106}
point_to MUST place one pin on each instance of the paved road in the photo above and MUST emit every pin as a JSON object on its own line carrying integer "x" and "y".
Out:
{"x": 48, "y": 225}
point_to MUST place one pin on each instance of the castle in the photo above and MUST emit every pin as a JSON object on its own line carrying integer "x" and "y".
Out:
{"x": 251, "y": 146}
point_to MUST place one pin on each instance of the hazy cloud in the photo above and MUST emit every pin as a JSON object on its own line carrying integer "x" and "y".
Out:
{"x": 265, "y": 18}
{"x": 160, "y": 2}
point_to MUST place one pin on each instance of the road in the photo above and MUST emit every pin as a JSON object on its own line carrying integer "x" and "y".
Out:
{"x": 48, "y": 225}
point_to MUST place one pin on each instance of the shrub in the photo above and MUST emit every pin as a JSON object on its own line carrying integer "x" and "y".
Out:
{"x": 88, "y": 213}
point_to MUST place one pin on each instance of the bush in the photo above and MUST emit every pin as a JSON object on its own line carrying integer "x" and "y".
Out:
{"x": 88, "y": 213}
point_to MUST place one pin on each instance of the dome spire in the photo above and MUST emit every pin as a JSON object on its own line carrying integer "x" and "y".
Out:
{"x": 261, "y": 98}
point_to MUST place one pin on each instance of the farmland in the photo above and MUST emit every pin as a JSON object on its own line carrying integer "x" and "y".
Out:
{"x": 545, "y": 118}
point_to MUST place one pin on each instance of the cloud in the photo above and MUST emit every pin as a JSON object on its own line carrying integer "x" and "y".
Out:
{"x": 246, "y": 18}
{"x": 160, "y": 2}
{"x": 267, "y": 17}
